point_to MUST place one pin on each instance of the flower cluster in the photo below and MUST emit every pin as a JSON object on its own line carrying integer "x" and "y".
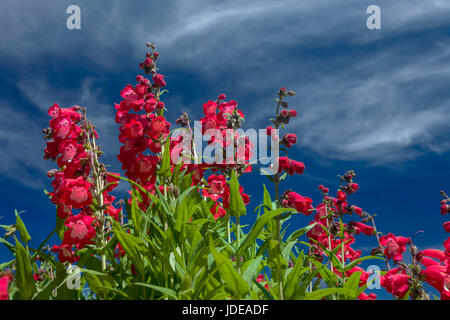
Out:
{"x": 82, "y": 195}
{"x": 74, "y": 189}
{"x": 140, "y": 133}
{"x": 329, "y": 233}
{"x": 437, "y": 262}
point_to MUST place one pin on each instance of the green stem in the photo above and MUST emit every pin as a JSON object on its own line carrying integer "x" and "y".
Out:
{"x": 238, "y": 237}
{"x": 228, "y": 228}
{"x": 280, "y": 275}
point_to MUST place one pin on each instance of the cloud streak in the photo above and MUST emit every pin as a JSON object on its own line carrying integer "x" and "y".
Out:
{"x": 377, "y": 96}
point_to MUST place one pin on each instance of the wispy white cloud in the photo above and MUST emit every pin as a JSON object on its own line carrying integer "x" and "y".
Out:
{"x": 21, "y": 148}
{"x": 378, "y": 96}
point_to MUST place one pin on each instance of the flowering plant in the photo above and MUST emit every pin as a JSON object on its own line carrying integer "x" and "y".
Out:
{"x": 178, "y": 233}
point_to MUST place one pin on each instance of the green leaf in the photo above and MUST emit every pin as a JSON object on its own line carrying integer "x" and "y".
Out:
{"x": 258, "y": 226}
{"x": 165, "y": 291}
{"x": 322, "y": 293}
{"x": 252, "y": 270}
{"x": 61, "y": 277}
{"x": 298, "y": 233}
{"x": 227, "y": 272}
{"x": 133, "y": 246}
{"x": 275, "y": 259}
{"x": 100, "y": 284}
{"x": 357, "y": 261}
{"x": 60, "y": 227}
{"x": 293, "y": 279}
{"x": 135, "y": 215}
{"x": 237, "y": 206}
{"x": 6, "y": 265}
{"x": 352, "y": 283}
{"x": 164, "y": 170}
{"x": 267, "y": 294}
{"x": 24, "y": 273}
{"x": 267, "y": 201}
{"x": 24, "y": 235}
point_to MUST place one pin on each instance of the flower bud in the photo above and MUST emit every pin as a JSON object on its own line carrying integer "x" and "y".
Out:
{"x": 291, "y": 93}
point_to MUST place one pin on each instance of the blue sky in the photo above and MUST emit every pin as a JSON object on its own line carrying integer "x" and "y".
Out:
{"x": 376, "y": 101}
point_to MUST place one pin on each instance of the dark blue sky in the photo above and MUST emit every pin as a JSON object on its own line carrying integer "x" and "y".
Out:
{"x": 376, "y": 101}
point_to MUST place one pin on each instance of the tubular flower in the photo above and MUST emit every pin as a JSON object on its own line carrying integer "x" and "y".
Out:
{"x": 396, "y": 282}
{"x": 394, "y": 246}
{"x": 299, "y": 203}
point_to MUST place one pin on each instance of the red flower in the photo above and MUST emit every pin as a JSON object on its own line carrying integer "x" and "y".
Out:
{"x": 437, "y": 277}
{"x": 395, "y": 283}
{"x": 216, "y": 184}
{"x": 65, "y": 253}
{"x": 133, "y": 129}
{"x": 290, "y": 166}
{"x": 447, "y": 226}
{"x": 209, "y": 108}
{"x": 80, "y": 230}
{"x": 354, "y": 187}
{"x": 356, "y": 210}
{"x": 395, "y": 246}
{"x": 158, "y": 124}
{"x": 217, "y": 211}
{"x": 77, "y": 193}
{"x": 361, "y": 227}
{"x": 260, "y": 278}
{"x": 365, "y": 296}
{"x": 4, "y": 281}
{"x": 64, "y": 211}
{"x": 445, "y": 208}
{"x": 289, "y": 139}
{"x": 433, "y": 253}
{"x": 299, "y": 203}
{"x": 158, "y": 80}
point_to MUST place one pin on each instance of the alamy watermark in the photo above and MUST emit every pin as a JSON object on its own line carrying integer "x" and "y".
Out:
{"x": 73, "y": 21}
{"x": 374, "y": 20}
